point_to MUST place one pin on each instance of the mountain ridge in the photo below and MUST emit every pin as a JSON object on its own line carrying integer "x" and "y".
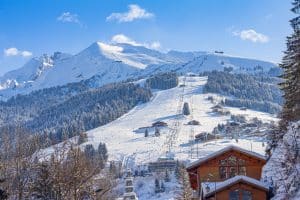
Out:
{"x": 113, "y": 63}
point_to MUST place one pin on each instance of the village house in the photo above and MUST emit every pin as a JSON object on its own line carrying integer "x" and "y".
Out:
{"x": 232, "y": 173}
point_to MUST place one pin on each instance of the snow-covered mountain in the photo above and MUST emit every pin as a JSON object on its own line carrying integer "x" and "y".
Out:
{"x": 113, "y": 63}
{"x": 204, "y": 61}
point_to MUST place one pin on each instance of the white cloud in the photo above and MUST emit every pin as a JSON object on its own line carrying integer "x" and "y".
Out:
{"x": 11, "y": 51}
{"x": 134, "y": 12}
{"x": 155, "y": 45}
{"x": 26, "y": 53}
{"x": 110, "y": 48}
{"x": 120, "y": 38}
{"x": 251, "y": 35}
{"x": 68, "y": 17}
{"x": 15, "y": 52}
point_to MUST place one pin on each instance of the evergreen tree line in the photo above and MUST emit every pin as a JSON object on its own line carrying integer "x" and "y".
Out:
{"x": 291, "y": 72}
{"x": 100, "y": 155}
{"x": 284, "y": 141}
{"x": 184, "y": 191}
{"x": 163, "y": 81}
{"x": 263, "y": 106}
{"x": 60, "y": 119}
{"x": 255, "y": 92}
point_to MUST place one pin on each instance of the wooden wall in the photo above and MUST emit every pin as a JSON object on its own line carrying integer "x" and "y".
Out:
{"x": 253, "y": 168}
{"x": 257, "y": 194}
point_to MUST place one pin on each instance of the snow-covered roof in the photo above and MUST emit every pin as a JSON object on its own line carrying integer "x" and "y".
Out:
{"x": 129, "y": 178}
{"x": 217, "y": 106}
{"x": 129, "y": 194}
{"x": 220, "y": 152}
{"x": 128, "y": 186}
{"x": 218, "y": 186}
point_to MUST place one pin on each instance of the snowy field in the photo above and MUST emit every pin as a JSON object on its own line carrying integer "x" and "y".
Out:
{"x": 124, "y": 141}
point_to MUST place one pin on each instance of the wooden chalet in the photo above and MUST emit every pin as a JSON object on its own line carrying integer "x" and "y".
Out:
{"x": 232, "y": 171}
{"x": 238, "y": 187}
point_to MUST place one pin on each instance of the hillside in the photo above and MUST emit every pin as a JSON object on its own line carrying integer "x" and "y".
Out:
{"x": 127, "y": 143}
{"x": 126, "y": 131}
{"x": 205, "y": 61}
{"x": 257, "y": 92}
{"x": 118, "y": 92}
{"x": 55, "y": 112}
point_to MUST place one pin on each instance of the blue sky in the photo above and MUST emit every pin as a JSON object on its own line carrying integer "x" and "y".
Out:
{"x": 248, "y": 28}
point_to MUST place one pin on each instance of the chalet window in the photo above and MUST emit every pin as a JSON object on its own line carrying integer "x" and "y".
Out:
{"x": 232, "y": 161}
{"x": 242, "y": 170}
{"x": 231, "y": 167}
{"x": 223, "y": 172}
{"x": 242, "y": 162}
{"x": 223, "y": 162}
{"x": 234, "y": 195}
{"x": 232, "y": 172}
{"x": 246, "y": 195}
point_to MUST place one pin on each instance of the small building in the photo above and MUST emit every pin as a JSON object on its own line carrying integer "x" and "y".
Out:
{"x": 220, "y": 110}
{"x": 193, "y": 122}
{"x": 204, "y": 136}
{"x": 219, "y": 52}
{"x": 243, "y": 108}
{"x": 224, "y": 165}
{"x": 218, "y": 106}
{"x": 238, "y": 187}
{"x": 162, "y": 164}
{"x": 159, "y": 124}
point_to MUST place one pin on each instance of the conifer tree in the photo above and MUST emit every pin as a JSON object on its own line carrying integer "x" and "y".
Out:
{"x": 89, "y": 151}
{"x": 102, "y": 151}
{"x": 157, "y": 186}
{"x": 43, "y": 182}
{"x": 3, "y": 193}
{"x": 185, "y": 192}
{"x": 291, "y": 72}
{"x": 113, "y": 168}
{"x": 186, "y": 109}
{"x": 82, "y": 138}
{"x": 146, "y": 133}
{"x": 157, "y": 132}
{"x": 167, "y": 176}
{"x": 162, "y": 187}
{"x": 177, "y": 169}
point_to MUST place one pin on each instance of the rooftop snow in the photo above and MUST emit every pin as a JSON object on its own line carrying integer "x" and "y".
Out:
{"x": 228, "y": 148}
{"x": 217, "y": 186}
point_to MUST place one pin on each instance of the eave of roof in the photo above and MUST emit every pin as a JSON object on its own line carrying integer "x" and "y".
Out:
{"x": 234, "y": 180}
{"x": 220, "y": 152}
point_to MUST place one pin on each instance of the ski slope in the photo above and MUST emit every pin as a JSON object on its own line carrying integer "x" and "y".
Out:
{"x": 123, "y": 140}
